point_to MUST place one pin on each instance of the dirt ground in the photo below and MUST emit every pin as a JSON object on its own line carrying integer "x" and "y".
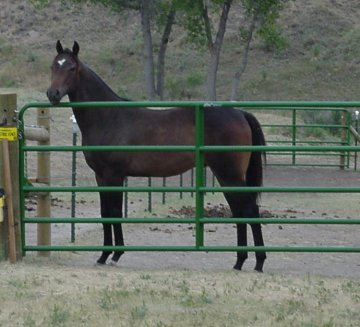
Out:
{"x": 283, "y": 205}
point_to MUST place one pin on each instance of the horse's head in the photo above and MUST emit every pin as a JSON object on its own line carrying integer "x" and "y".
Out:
{"x": 64, "y": 73}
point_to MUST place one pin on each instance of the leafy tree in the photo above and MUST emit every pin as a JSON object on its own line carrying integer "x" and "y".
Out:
{"x": 161, "y": 12}
{"x": 262, "y": 16}
{"x": 199, "y": 24}
{"x": 200, "y": 19}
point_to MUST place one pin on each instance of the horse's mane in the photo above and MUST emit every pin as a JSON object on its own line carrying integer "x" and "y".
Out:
{"x": 107, "y": 86}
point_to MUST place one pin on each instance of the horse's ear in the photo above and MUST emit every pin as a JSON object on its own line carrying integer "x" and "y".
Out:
{"x": 75, "y": 48}
{"x": 59, "y": 47}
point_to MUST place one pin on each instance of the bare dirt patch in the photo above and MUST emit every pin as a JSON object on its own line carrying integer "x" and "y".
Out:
{"x": 282, "y": 205}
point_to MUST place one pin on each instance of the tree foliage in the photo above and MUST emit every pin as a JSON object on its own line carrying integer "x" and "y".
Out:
{"x": 262, "y": 17}
{"x": 266, "y": 14}
{"x": 205, "y": 23}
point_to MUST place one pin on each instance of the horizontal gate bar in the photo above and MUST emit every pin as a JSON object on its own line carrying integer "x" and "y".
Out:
{"x": 282, "y": 189}
{"x": 272, "y": 189}
{"x": 29, "y": 188}
{"x": 213, "y": 220}
{"x": 205, "y": 148}
{"x": 292, "y": 105}
{"x": 102, "y": 148}
{"x": 115, "y": 220}
{"x": 189, "y": 248}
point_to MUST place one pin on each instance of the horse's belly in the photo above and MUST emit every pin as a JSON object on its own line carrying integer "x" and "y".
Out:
{"x": 160, "y": 164}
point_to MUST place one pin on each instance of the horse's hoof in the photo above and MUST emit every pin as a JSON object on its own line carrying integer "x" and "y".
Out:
{"x": 259, "y": 266}
{"x": 238, "y": 267}
{"x": 239, "y": 264}
{"x": 100, "y": 262}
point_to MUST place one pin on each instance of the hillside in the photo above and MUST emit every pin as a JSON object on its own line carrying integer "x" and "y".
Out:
{"x": 322, "y": 61}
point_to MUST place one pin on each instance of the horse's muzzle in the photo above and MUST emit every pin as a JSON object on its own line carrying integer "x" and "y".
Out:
{"x": 53, "y": 95}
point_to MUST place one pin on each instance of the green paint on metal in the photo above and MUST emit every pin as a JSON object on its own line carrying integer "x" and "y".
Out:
{"x": 189, "y": 248}
{"x": 199, "y": 177}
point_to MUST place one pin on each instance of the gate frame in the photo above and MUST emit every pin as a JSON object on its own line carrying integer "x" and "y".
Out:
{"x": 199, "y": 189}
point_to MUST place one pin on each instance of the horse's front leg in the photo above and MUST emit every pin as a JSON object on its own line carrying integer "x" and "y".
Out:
{"x": 105, "y": 212}
{"x": 116, "y": 212}
{"x": 107, "y": 241}
{"x": 111, "y": 207}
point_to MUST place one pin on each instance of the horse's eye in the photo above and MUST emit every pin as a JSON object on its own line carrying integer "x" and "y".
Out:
{"x": 72, "y": 69}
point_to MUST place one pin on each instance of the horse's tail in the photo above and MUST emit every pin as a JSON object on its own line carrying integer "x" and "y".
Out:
{"x": 254, "y": 174}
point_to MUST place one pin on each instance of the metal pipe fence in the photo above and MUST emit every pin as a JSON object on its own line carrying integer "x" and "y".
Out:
{"x": 198, "y": 189}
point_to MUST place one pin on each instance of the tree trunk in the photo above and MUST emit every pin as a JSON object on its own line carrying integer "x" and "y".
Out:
{"x": 215, "y": 47}
{"x": 160, "y": 76}
{"x": 212, "y": 75}
{"x": 145, "y": 12}
{"x": 241, "y": 69}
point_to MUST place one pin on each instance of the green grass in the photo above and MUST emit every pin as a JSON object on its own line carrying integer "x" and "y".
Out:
{"x": 85, "y": 296}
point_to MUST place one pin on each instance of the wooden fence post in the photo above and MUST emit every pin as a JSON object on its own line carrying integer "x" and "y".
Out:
{"x": 43, "y": 177}
{"x": 10, "y": 237}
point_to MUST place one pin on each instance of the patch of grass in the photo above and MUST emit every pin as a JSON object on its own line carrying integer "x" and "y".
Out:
{"x": 174, "y": 298}
{"x": 59, "y": 316}
{"x": 139, "y": 312}
{"x": 7, "y": 81}
{"x": 29, "y": 321}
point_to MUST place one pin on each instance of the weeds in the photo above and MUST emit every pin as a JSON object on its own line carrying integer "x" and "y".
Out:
{"x": 177, "y": 299}
{"x": 139, "y": 312}
{"x": 59, "y": 316}
{"x": 29, "y": 321}
{"x": 106, "y": 301}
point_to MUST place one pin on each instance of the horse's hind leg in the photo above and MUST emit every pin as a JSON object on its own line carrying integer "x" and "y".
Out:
{"x": 257, "y": 235}
{"x": 258, "y": 241}
{"x": 244, "y": 205}
{"x": 234, "y": 201}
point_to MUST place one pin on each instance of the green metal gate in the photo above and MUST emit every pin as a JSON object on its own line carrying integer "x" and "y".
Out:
{"x": 199, "y": 189}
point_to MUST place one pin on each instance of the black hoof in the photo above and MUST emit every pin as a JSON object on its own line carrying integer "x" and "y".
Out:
{"x": 115, "y": 258}
{"x": 104, "y": 256}
{"x": 259, "y": 266}
{"x": 239, "y": 264}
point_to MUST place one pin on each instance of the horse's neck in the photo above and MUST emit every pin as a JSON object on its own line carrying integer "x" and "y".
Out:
{"x": 91, "y": 88}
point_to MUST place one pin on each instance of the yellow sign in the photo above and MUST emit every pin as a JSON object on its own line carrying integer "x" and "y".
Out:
{"x": 8, "y": 133}
{"x": 2, "y": 204}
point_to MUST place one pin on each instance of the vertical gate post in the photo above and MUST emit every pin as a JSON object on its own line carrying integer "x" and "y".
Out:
{"x": 344, "y": 129}
{"x": 293, "y": 133}
{"x": 43, "y": 177}
{"x": 10, "y": 232}
{"x": 199, "y": 164}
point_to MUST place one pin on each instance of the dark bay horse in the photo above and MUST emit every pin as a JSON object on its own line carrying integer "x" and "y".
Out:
{"x": 143, "y": 126}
